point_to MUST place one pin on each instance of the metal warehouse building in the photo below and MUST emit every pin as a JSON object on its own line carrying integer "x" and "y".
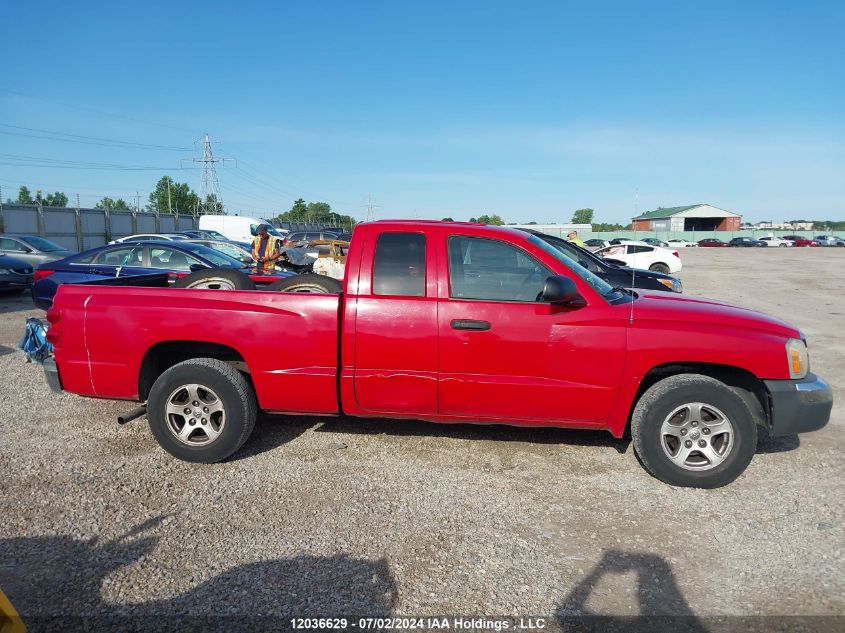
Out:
{"x": 696, "y": 217}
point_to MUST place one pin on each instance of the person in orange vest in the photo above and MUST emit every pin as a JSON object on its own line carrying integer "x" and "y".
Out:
{"x": 265, "y": 249}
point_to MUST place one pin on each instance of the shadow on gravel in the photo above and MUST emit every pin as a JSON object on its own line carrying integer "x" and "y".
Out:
{"x": 55, "y": 583}
{"x": 5, "y": 349}
{"x": 492, "y": 432}
{"x": 18, "y": 303}
{"x": 272, "y": 431}
{"x": 662, "y": 607}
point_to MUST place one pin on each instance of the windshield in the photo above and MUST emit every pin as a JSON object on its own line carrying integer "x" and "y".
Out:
{"x": 215, "y": 257}
{"x": 596, "y": 283}
{"x": 44, "y": 245}
{"x": 216, "y": 235}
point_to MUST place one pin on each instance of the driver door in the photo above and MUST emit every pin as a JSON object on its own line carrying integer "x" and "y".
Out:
{"x": 506, "y": 355}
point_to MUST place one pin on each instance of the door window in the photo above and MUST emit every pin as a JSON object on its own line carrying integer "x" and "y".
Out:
{"x": 636, "y": 248}
{"x": 13, "y": 246}
{"x": 130, "y": 256}
{"x": 481, "y": 268}
{"x": 171, "y": 259}
{"x": 399, "y": 265}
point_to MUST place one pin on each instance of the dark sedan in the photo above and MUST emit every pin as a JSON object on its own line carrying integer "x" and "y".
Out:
{"x": 746, "y": 242}
{"x": 617, "y": 276}
{"x": 15, "y": 275}
{"x": 141, "y": 258}
{"x": 712, "y": 242}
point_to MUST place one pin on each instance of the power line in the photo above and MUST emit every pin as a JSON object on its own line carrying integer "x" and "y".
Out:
{"x": 95, "y": 111}
{"x": 85, "y": 140}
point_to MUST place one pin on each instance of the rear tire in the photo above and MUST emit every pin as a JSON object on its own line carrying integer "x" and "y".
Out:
{"x": 216, "y": 279}
{"x": 659, "y": 268}
{"x": 694, "y": 431}
{"x": 309, "y": 283}
{"x": 201, "y": 410}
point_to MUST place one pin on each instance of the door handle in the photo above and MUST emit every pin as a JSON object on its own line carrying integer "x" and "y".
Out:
{"x": 470, "y": 324}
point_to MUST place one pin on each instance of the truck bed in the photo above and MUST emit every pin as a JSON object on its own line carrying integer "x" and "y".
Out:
{"x": 288, "y": 342}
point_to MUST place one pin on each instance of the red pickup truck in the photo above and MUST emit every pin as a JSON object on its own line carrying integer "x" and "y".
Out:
{"x": 447, "y": 322}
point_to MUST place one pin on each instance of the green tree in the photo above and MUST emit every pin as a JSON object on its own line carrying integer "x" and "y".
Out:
{"x": 582, "y": 216}
{"x": 318, "y": 212}
{"x": 24, "y": 196}
{"x": 58, "y": 199}
{"x": 112, "y": 205}
{"x": 493, "y": 220}
{"x": 182, "y": 198}
{"x": 600, "y": 227}
{"x": 447, "y": 220}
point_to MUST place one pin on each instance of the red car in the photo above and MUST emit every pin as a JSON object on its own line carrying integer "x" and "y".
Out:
{"x": 712, "y": 242}
{"x": 453, "y": 323}
{"x": 801, "y": 241}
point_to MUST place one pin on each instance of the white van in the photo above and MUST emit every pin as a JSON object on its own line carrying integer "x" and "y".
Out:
{"x": 237, "y": 228}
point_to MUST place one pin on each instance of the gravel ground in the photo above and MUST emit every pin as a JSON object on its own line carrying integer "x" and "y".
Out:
{"x": 318, "y": 518}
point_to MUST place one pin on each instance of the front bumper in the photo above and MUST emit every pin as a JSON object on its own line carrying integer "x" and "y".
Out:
{"x": 51, "y": 373}
{"x": 799, "y": 406}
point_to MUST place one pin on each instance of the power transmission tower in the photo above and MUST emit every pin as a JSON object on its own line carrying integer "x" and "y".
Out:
{"x": 370, "y": 206}
{"x": 210, "y": 201}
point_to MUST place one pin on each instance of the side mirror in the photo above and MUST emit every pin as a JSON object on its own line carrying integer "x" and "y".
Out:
{"x": 196, "y": 267}
{"x": 559, "y": 289}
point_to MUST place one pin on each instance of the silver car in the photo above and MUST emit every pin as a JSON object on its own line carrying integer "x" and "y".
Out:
{"x": 829, "y": 240}
{"x": 32, "y": 249}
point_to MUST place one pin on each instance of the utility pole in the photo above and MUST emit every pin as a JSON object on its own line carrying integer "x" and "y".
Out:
{"x": 370, "y": 206}
{"x": 169, "y": 208}
{"x": 137, "y": 202}
{"x": 210, "y": 188}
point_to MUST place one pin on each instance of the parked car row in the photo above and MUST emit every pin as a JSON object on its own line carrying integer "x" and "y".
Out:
{"x": 714, "y": 242}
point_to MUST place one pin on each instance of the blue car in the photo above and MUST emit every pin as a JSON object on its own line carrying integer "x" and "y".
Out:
{"x": 136, "y": 258}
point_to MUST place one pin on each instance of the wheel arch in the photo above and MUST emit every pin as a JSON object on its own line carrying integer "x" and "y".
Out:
{"x": 165, "y": 354}
{"x": 747, "y": 386}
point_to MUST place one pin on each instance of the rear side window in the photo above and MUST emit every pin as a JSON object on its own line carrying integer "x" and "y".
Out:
{"x": 636, "y": 248}
{"x": 399, "y": 265}
{"x": 131, "y": 256}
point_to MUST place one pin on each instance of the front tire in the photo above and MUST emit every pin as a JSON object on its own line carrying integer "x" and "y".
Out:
{"x": 201, "y": 410}
{"x": 659, "y": 268}
{"x": 694, "y": 431}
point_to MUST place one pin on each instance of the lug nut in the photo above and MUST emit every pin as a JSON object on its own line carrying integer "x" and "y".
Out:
{"x": 187, "y": 411}
{"x": 702, "y": 443}
{"x": 688, "y": 443}
{"x": 205, "y": 409}
{"x": 683, "y": 431}
{"x": 705, "y": 430}
{"x": 695, "y": 423}
{"x": 196, "y": 404}
{"x": 204, "y": 421}
{"x": 192, "y": 422}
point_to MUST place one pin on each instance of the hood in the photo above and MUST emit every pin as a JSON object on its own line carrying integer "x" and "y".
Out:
{"x": 664, "y": 306}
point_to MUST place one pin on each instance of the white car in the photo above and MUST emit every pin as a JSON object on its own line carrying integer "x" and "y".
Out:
{"x": 237, "y": 227}
{"x": 776, "y": 241}
{"x": 681, "y": 243}
{"x": 645, "y": 256}
{"x": 146, "y": 237}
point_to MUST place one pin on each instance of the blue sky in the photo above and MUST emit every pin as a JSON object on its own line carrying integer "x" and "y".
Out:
{"x": 526, "y": 109}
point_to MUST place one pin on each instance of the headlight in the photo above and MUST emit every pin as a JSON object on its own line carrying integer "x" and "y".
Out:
{"x": 5, "y": 271}
{"x": 797, "y": 358}
{"x": 677, "y": 286}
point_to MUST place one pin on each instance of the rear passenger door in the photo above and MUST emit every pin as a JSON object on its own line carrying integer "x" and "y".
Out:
{"x": 396, "y": 327}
